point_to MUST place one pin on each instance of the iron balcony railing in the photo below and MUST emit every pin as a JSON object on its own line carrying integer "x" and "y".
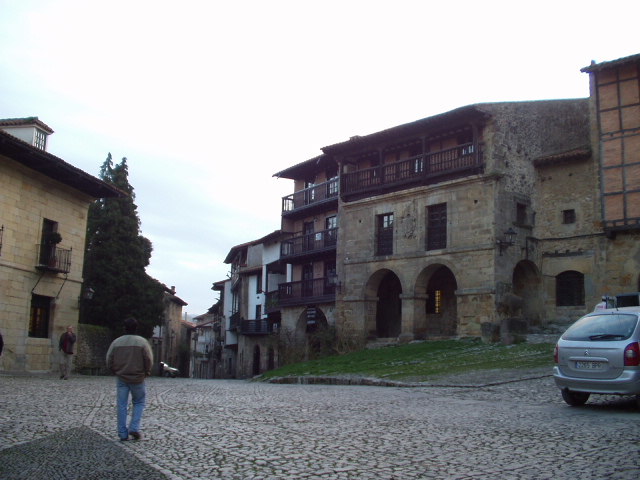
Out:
{"x": 255, "y": 327}
{"x": 427, "y": 168}
{"x": 307, "y": 291}
{"x": 312, "y": 196}
{"x": 309, "y": 243}
{"x": 54, "y": 259}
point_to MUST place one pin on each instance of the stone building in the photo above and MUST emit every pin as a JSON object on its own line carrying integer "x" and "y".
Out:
{"x": 255, "y": 274}
{"x": 171, "y": 339}
{"x": 310, "y": 215}
{"x": 437, "y": 219}
{"x": 485, "y": 218}
{"x": 44, "y": 203}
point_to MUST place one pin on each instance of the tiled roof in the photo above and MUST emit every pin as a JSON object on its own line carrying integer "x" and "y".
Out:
{"x": 573, "y": 154}
{"x": 53, "y": 167}
{"x": 16, "y": 122}
{"x": 594, "y": 67}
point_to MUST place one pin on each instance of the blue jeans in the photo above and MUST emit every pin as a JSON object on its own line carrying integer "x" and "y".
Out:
{"x": 138, "y": 396}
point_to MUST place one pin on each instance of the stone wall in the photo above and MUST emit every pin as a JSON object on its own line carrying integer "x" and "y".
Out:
{"x": 91, "y": 349}
{"x": 27, "y": 199}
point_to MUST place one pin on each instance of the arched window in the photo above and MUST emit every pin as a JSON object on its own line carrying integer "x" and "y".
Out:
{"x": 570, "y": 289}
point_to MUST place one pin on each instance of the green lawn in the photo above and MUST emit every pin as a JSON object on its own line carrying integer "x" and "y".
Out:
{"x": 424, "y": 360}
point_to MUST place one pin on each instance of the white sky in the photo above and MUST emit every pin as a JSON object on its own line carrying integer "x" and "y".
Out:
{"x": 208, "y": 99}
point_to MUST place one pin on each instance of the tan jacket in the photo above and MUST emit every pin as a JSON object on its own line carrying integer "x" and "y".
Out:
{"x": 130, "y": 358}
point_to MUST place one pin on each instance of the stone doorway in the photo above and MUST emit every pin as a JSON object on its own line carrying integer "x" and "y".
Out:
{"x": 389, "y": 307}
{"x": 527, "y": 284}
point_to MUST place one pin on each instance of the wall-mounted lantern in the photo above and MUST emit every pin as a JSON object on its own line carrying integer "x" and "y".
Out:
{"x": 508, "y": 241}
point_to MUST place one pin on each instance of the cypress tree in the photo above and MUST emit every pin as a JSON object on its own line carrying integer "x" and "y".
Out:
{"x": 116, "y": 256}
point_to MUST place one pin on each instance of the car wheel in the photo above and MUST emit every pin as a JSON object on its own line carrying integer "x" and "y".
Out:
{"x": 575, "y": 399}
{"x": 167, "y": 374}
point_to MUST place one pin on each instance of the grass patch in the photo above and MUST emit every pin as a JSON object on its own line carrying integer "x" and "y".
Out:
{"x": 424, "y": 360}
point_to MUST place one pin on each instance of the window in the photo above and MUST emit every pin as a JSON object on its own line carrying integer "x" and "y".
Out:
{"x": 331, "y": 234}
{"x": 570, "y": 289}
{"x": 436, "y": 227}
{"x": 521, "y": 214}
{"x": 434, "y": 301}
{"x": 259, "y": 283}
{"x": 40, "y": 139}
{"x": 39, "y": 317}
{"x": 568, "y": 216}
{"x": 258, "y": 312}
{"x": 385, "y": 234}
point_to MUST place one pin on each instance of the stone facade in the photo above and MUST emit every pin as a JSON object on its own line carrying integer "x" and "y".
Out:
{"x": 469, "y": 273}
{"x": 37, "y": 300}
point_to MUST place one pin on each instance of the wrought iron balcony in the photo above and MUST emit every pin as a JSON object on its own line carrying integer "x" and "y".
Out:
{"x": 313, "y": 198}
{"x": 428, "y": 168}
{"x": 309, "y": 244}
{"x": 318, "y": 290}
{"x": 255, "y": 327}
{"x": 54, "y": 259}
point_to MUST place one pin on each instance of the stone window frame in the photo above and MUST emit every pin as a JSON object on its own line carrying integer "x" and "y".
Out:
{"x": 40, "y": 316}
{"x": 436, "y": 236}
{"x": 384, "y": 234}
{"x": 570, "y": 289}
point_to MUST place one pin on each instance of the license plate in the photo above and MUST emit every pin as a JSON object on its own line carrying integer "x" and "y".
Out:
{"x": 588, "y": 365}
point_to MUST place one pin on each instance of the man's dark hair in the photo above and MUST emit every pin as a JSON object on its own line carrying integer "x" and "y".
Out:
{"x": 130, "y": 325}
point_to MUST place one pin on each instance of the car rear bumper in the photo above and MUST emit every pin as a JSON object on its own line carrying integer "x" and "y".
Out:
{"x": 628, "y": 383}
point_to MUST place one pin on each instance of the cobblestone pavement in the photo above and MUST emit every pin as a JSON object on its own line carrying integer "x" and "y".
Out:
{"x": 206, "y": 429}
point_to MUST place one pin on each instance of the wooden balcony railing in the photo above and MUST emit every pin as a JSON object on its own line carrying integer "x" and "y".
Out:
{"x": 312, "y": 196}
{"x": 428, "y": 168}
{"x": 54, "y": 259}
{"x": 272, "y": 302}
{"x": 309, "y": 243}
{"x": 234, "y": 321}
{"x": 317, "y": 290}
{"x": 255, "y": 327}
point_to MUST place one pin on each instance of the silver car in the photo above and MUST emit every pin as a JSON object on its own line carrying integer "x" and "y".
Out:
{"x": 600, "y": 353}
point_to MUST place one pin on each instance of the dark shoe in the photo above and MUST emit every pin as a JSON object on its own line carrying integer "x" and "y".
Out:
{"x": 61, "y": 376}
{"x": 136, "y": 435}
{"x": 124, "y": 439}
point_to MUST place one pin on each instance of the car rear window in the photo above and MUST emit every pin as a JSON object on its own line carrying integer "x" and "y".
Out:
{"x": 613, "y": 326}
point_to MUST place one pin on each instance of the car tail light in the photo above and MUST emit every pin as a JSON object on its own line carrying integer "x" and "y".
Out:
{"x": 555, "y": 354}
{"x": 632, "y": 355}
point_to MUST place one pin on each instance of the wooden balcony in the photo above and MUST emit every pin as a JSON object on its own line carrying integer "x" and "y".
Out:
{"x": 425, "y": 169}
{"x": 318, "y": 290}
{"x": 272, "y": 302}
{"x": 316, "y": 198}
{"x": 309, "y": 245}
{"x": 255, "y": 327}
{"x": 54, "y": 259}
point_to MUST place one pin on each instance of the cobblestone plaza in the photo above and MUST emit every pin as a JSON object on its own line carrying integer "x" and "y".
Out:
{"x": 477, "y": 428}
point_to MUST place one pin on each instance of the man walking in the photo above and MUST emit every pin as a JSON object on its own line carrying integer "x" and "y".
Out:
{"x": 65, "y": 347}
{"x": 130, "y": 358}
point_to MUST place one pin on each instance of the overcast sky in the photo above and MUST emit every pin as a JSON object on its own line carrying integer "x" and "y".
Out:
{"x": 209, "y": 99}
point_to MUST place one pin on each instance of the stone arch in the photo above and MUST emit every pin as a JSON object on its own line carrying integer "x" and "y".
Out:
{"x": 436, "y": 302}
{"x": 527, "y": 284}
{"x": 256, "y": 360}
{"x": 311, "y": 325}
{"x": 389, "y": 306}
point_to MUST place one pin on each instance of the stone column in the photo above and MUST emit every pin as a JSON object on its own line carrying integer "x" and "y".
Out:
{"x": 413, "y": 314}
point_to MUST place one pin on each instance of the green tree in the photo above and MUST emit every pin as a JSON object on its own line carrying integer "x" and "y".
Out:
{"x": 116, "y": 256}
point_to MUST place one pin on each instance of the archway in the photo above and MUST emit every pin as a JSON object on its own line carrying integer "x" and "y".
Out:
{"x": 527, "y": 283}
{"x": 389, "y": 307}
{"x": 256, "y": 360}
{"x": 441, "y": 309}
